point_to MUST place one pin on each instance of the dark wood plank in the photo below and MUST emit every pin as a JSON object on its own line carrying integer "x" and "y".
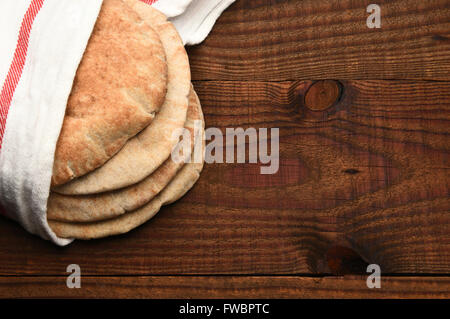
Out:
{"x": 224, "y": 287}
{"x": 369, "y": 175}
{"x": 323, "y": 39}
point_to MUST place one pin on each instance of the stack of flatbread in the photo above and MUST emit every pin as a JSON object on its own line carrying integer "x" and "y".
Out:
{"x": 113, "y": 167}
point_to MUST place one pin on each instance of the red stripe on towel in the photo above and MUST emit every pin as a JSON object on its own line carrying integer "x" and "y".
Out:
{"x": 150, "y": 2}
{"x": 17, "y": 64}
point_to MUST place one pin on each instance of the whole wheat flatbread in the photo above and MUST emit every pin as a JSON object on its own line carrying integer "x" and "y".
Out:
{"x": 149, "y": 149}
{"x": 120, "y": 84}
{"x": 180, "y": 184}
{"x": 89, "y": 208}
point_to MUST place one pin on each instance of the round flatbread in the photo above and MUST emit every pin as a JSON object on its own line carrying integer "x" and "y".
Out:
{"x": 145, "y": 152}
{"x": 180, "y": 184}
{"x": 119, "y": 86}
{"x": 89, "y": 208}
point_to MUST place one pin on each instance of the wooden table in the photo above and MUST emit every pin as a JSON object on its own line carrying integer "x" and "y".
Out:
{"x": 364, "y": 120}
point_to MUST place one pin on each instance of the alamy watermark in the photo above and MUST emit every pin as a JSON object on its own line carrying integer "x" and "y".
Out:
{"x": 374, "y": 19}
{"x": 74, "y": 279}
{"x": 373, "y": 280}
{"x": 234, "y": 143}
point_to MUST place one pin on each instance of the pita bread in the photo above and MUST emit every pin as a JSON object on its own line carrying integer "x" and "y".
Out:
{"x": 89, "y": 208}
{"x": 120, "y": 84}
{"x": 149, "y": 149}
{"x": 181, "y": 183}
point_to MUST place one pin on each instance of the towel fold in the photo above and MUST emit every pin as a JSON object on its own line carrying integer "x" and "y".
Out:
{"x": 193, "y": 19}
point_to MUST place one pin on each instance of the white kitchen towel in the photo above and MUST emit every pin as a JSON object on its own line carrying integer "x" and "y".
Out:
{"x": 171, "y": 8}
{"x": 193, "y": 19}
{"x": 42, "y": 44}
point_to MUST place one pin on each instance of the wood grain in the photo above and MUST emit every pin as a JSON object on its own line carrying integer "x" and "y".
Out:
{"x": 370, "y": 174}
{"x": 206, "y": 287}
{"x": 323, "y": 39}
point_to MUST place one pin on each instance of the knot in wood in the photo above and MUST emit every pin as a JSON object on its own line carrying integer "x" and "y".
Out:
{"x": 322, "y": 94}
